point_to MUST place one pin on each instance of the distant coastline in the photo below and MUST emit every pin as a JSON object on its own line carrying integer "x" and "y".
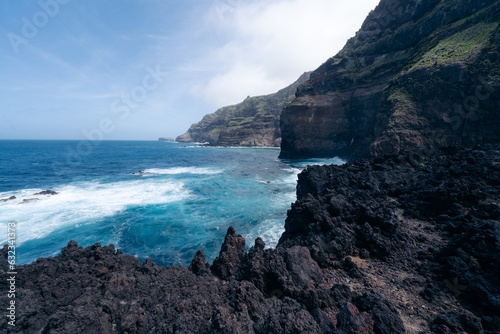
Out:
{"x": 166, "y": 139}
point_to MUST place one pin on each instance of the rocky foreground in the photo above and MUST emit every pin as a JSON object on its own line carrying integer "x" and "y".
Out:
{"x": 407, "y": 243}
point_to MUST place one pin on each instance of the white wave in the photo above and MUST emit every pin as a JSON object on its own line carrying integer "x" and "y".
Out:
{"x": 336, "y": 161}
{"x": 269, "y": 230}
{"x": 182, "y": 170}
{"x": 292, "y": 177}
{"x": 293, "y": 170}
{"x": 81, "y": 203}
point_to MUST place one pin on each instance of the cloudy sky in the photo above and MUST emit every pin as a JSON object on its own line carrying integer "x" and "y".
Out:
{"x": 135, "y": 69}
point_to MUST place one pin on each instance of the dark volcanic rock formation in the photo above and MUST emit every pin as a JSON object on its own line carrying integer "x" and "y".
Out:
{"x": 253, "y": 122}
{"x": 417, "y": 73}
{"x": 47, "y": 192}
{"x": 426, "y": 226}
{"x": 406, "y": 243}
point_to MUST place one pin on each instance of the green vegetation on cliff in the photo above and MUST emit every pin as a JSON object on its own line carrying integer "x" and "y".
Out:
{"x": 417, "y": 74}
{"x": 403, "y": 101}
{"x": 458, "y": 47}
{"x": 253, "y": 122}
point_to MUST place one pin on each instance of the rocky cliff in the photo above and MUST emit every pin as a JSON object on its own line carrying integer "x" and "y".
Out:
{"x": 417, "y": 74}
{"x": 253, "y": 122}
{"x": 401, "y": 244}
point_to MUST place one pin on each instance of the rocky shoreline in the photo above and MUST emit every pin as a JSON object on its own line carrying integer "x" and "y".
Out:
{"x": 405, "y": 243}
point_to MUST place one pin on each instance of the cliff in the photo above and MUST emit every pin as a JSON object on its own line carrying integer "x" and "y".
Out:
{"x": 417, "y": 74}
{"x": 401, "y": 244}
{"x": 253, "y": 122}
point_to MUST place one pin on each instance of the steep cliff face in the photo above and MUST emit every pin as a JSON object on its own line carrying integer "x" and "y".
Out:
{"x": 417, "y": 74}
{"x": 254, "y": 122}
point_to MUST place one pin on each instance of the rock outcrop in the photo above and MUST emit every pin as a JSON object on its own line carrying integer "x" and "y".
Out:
{"x": 253, "y": 122}
{"x": 417, "y": 74}
{"x": 426, "y": 225}
{"x": 47, "y": 192}
{"x": 405, "y": 243}
{"x": 7, "y": 199}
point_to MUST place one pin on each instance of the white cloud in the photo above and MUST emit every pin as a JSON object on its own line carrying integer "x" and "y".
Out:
{"x": 241, "y": 80}
{"x": 269, "y": 44}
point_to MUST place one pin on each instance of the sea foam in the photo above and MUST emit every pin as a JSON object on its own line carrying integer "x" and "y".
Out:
{"x": 182, "y": 170}
{"x": 82, "y": 203}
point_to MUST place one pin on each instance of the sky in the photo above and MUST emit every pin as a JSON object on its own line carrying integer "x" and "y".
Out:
{"x": 139, "y": 70}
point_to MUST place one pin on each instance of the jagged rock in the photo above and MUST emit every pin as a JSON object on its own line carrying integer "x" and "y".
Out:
{"x": 454, "y": 322}
{"x": 351, "y": 268}
{"x": 304, "y": 271}
{"x": 351, "y": 321}
{"x": 385, "y": 317}
{"x": 389, "y": 208}
{"x": 287, "y": 317}
{"x": 46, "y": 192}
{"x": 230, "y": 256}
{"x": 198, "y": 265}
{"x": 324, "y": 322}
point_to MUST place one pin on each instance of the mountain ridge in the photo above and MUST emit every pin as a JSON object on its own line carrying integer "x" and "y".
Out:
{"x": 253, "y": 122}
{"x": 403, "y": 82}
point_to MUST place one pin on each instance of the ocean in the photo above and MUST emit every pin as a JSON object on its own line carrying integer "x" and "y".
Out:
{"x": 152, "y": 199}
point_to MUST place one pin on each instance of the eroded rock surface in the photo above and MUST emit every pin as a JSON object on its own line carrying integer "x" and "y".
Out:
{"x": 417, "y": 73}
{"x": 407, "y": 243}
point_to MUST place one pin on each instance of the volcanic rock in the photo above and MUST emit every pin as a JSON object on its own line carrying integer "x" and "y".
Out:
{"x": 417, "y": 74}
{"x": 47, "y": 192}
{"x": 253, "y": 122}
{"x": 366, "y": 250}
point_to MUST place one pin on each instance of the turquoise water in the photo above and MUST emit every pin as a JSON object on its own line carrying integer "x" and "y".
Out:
{"x": 185, "y": 199}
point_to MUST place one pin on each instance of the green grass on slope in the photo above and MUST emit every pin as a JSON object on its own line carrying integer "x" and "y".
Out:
{"x": 403, "y": 102}
{"x": 458, "y": 47}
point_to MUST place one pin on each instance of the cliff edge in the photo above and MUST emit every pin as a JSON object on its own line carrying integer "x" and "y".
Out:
{"x": 417, "y": 74}
{"x": 253, "y": 122}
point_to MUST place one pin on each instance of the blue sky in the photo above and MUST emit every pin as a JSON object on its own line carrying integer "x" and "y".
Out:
{"x": 130, "y": 69}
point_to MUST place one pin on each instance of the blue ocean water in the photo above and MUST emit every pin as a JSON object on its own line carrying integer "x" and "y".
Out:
{"x": 185, "y": 199}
